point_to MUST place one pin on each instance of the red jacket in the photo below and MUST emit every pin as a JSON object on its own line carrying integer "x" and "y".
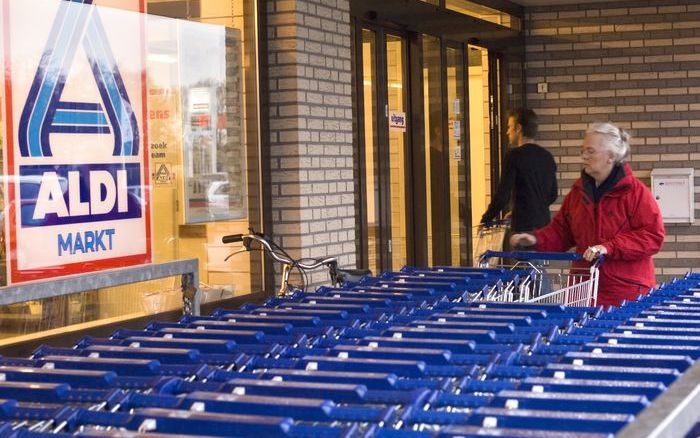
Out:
{"x": 626, "y": 220}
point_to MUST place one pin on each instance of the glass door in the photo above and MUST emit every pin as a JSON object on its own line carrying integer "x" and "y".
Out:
{"x": 446, "y": 188}
{"x": 369, "y": 155}
{"x": 434, "y": 144}
{"x": 423, "y": 187}
{"x": 480, "y": 151}
{"x": 383, "y": 149}
{"x": 397, "y": 96}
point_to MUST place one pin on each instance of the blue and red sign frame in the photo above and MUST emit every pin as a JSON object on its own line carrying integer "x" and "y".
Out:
{"x": 69, "y": 213}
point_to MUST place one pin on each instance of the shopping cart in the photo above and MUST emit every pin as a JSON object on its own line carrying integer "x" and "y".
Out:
{"x": 550, "y": 277}
{"x": 489, "y": 237}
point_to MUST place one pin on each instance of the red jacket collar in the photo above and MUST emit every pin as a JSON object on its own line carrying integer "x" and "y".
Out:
{"x": 622, "y": 184}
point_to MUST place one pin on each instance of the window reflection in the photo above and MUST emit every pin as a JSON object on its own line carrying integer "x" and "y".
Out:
{"x": 397, "y": 105}
{"x": 456, "y": 138}
{"x": 371, "y": 152}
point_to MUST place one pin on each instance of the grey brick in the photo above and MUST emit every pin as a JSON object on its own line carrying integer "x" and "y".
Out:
{"x": 651, "y": 50}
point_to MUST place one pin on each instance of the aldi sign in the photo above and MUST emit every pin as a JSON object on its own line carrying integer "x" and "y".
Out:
{"x": 76, "y": 180}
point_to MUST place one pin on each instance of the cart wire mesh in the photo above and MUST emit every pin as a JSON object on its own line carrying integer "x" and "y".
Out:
{"x": 489, "y": 237}
{"x": 546, "y": 278}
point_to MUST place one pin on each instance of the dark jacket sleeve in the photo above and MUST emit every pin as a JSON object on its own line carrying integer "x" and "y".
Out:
{"x": 504, "y": 191}
{"x": 553, "y": 192}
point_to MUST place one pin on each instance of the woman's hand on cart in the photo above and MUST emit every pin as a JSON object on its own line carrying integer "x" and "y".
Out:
{"x": 593, "y": 252}
{"x": 522, "y": 240}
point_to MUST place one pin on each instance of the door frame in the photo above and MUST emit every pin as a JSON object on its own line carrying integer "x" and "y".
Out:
{"x": 439, "y": 174}
{"x": 466, "y": 257}
{"x": 417, "y": 253}
{"x": 496, "y": 104}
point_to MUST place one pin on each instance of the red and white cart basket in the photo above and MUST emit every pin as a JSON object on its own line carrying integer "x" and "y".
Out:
{"x": 548, "y": 277}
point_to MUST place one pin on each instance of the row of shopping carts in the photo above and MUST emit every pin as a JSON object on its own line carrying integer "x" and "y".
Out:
{"x": 421, "y": 352}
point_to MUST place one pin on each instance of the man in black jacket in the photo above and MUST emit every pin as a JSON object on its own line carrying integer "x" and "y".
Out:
{"x": 529, "y": 175}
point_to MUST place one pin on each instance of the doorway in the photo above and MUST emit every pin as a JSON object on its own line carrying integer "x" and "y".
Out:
{"x": 427, "y": 147}
{"x": 484, "y": 157}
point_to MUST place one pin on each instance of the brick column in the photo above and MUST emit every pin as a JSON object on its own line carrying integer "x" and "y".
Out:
{"x": 311, "y": 148}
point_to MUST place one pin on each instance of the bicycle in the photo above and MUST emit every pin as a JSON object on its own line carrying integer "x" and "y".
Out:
{"x": 338, "y": 277}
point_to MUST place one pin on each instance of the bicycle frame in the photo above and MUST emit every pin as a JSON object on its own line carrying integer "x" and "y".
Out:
{"x": 281, "y": 257}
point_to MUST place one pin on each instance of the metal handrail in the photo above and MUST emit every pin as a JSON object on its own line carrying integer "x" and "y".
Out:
{"x": 188, "y": 269}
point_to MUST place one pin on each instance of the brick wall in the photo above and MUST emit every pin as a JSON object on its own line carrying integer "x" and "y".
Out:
{"x": 636, "y": 64}
{"x": 311, "y": 149}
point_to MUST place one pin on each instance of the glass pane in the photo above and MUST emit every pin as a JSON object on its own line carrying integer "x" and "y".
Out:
{"x": 213, "y": 96}
{"x": 369, "y": 79}
{"x": 212, "y": 120}
{"x": 137, "y": 92}
{"x": 458, "y": 184}
{"x": 396, "y": 73}
{"x": 479, "y": 139}
{"x": 485, "y": 13}
{"x": 432, "y": 104}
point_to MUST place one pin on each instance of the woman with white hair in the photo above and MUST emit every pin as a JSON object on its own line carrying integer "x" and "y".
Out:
{"x": 607, "y": 212}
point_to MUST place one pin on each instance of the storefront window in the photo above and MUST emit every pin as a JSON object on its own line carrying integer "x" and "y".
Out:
{"x": 129, "y": 137}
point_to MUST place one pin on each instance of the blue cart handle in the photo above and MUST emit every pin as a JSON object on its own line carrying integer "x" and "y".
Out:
{"x": 532, "y": 255}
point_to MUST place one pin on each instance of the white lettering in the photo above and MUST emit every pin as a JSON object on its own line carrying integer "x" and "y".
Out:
{"x": 122, "y": 194}
{"x": 77, "y": 207}
{"x": 99, "y": 179}
{"x": 50, "y": 198}
{"x": 100, "y": 185}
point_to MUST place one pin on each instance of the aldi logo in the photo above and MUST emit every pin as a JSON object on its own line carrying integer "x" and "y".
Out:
{"x": 76, "y": 174}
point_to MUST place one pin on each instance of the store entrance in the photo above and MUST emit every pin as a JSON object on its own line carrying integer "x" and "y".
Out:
{"x": 427, "y": 147}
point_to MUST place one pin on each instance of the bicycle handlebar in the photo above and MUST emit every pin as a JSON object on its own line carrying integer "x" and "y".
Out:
{"x": 232, "y": 238}
{"x": 281, "y": 258}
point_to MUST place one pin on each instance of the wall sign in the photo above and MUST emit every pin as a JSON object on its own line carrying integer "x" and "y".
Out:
{"x": 397, "y": 121}
{"x": 76, "y": 166}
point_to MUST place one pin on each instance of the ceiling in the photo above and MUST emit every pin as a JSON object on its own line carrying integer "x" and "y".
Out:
{"x": 528, "y": 3}
{"x": 423, "y": 17}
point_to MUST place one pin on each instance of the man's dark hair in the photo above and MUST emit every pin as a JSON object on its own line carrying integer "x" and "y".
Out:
{"x": 526, "y": 118}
